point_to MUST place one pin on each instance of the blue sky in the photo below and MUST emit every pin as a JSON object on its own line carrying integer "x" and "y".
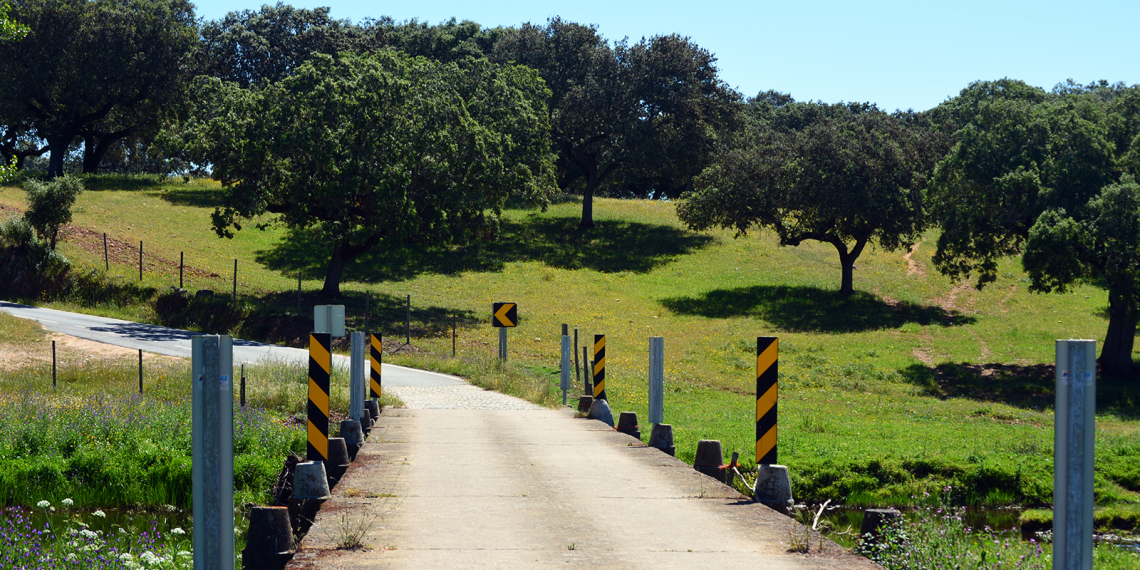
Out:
{"x": 898, "y": 54}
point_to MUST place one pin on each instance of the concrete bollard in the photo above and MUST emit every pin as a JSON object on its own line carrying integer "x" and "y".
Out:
{"x": 600, "y": 410}
{"x": 584, "y": 403}
{"x": 874, "y": 520}
{"x": 662, "y": 438}
{"x": 373, "y": 407}
{"x": 269, "y": 541}
{"x": 310, "y": 481}
{"x": 773, "y": 487}
{"x": 353, "y": 437}
{"x": 627, "y": 424}
{"x": 338, "y": 460}
{"x": 709, "y": 459}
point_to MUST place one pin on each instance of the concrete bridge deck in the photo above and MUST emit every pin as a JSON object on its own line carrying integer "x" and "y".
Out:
{"x": 537, "y": 488}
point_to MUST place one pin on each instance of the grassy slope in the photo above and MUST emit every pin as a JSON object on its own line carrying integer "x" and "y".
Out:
{"x": 913, "y": 376}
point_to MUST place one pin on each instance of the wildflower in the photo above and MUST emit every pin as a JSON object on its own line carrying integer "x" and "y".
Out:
{"x": 100, "y": 514}
{"x": 68, "y": 502}
{"x": 43, "y": 504}
{"x": 177, "y": 530}
{"x": 126, "y": 557}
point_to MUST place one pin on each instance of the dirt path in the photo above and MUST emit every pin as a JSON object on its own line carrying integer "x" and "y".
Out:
{"x": 912, "y": 266}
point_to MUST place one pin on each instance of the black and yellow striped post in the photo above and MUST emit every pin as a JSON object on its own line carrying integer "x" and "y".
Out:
{"x": 375, "y": 355}
{"x": 600, "y": 367}
{"x": 767, "y": 364}
{"x": 320, "y": 360}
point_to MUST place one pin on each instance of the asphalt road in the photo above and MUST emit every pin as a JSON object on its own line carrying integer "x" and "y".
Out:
{"x": 176, "y": 342}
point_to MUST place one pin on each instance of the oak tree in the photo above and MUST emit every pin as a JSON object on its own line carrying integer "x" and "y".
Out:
{"x": 376, "y": 151}
{"x": 1040, "y": 173}
{"x": 852, "y": 176}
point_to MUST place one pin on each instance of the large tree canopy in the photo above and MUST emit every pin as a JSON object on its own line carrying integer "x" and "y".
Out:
{"x": 93, "y": 64}
{"x": 850, "y": 176}
{"x": 255, "y": 48}
{"x": 652, "y": 110}
{"x": 377, "y": 151}
{"x": 10, "y": 30}
{"x": 1040, "y": 173}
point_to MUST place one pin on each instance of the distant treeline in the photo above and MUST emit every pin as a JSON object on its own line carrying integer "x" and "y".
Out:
{"x": 380, "y": 134}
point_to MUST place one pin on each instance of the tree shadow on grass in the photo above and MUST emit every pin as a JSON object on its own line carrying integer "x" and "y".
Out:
{"x": 274, "y": 317}
{"x": 810, "y": 309}
{"x": 194, "y": 197}
{"x": 1023, "y": 386}
{"x": 611, "y": 247}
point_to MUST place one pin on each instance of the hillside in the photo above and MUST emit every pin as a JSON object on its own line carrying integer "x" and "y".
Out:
{"x": 913, "y": 383}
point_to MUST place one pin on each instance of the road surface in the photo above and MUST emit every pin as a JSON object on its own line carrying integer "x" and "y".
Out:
{"x": 459, "y": 480}
{"x": 176, "y": 342}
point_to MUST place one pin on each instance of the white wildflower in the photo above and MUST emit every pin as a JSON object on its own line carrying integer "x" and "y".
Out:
{"x": 100, "y": 514}
{"x": 68, "y": 502}
{"x": 126, "y": 557}
{"x": 148, "y": 558}
{"x": 43, "y": 504}
{"x": 71, "y": 557}
{"x": 185, "y": 553}
{"x": 177, "y": 530}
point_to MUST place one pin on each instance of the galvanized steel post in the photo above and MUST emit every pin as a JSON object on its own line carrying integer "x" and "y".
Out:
{"x": 357, "y": 387}
{"x": 656, "y": 380}
{"x": 565, "y": 366}
{"x": 1073, "y": 446}
{"x": 212, "y": 446}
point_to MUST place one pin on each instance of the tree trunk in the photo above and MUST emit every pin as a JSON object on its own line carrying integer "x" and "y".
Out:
{"x": 592, "y": 183}
{"x": 57, "y": 149}
{"x": 93, "y": 153}
{"x": 88, "y": 153}
{"x": 335, "y": 270}
{"x": 847, "y": 263}
{"x": 1116, "y": 353}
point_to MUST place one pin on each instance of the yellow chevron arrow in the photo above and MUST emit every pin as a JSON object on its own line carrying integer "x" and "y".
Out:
{"x": 501, "y": 314}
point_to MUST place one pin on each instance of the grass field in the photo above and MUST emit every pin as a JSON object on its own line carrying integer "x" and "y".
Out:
{"x": 912, "y": 384}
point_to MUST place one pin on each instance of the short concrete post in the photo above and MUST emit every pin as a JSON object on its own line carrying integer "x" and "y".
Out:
{"x": 656, "y": 380}
{"x": 338, "y": 460}
{"x": 874, "y": 521}
{"x": 353, "y": 436}
{"x": 662, "y": 438}
{"x": 269, "y": 540}
{"x": 709, "y": 459}
{"x": 584, "y": 403}
{"x": 373, "y": 407}
{"x": 627, "y": 424}
{"x": 600, "y": 410}
{"x": 310, "y": 481}
{"x": 773, "y": 487}
{"x": 1074, "y": 443}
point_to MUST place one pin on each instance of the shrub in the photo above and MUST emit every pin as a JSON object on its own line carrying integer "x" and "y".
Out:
{"x": 49, "y": 205}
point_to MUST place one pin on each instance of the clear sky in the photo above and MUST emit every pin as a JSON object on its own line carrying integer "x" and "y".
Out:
{"x": 898, "y": 54}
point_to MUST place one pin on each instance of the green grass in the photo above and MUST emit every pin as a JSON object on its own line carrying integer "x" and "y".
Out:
{"x": 13, "y": 330}
{"x": 95, "y": 440}
{"x": 912, "y": 384}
